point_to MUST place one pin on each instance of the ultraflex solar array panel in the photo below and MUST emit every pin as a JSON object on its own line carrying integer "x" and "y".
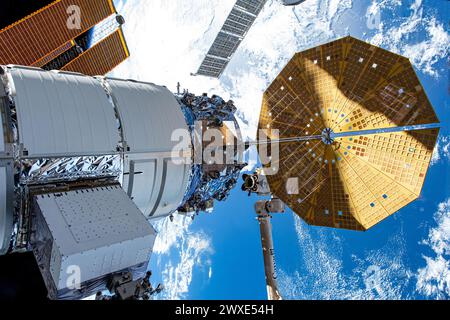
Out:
{"x": 236, "y": 26}
{"x": 383, "y": 131}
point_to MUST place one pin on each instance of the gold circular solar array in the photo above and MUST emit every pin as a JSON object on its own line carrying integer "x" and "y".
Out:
{"x": 348, "y": 86}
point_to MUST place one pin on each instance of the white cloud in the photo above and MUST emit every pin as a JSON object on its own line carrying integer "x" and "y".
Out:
{"x": 441, "y": 151}
{"x": 403, "y": 37}
{"x": 171, "y": 233}
{"x": 177, "y": 279}
{"x": 380, "y": 274}
{"x": 180, "y": 252}
{"x": 433, "y": 280}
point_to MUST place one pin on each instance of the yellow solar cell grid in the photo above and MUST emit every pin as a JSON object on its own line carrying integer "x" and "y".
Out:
{"x": 355, "y": 62}
{"x": 378, "y": 66}
{"x": 41, "y": 33}
{"x": 332, "y": 55}
{"x": 330, "y": 205}
{"x": 401, "y": 156}
{"x": 395, "y": 107}
{"x": 360, "y": 196}
{"x": 421, "y": 111}
{"x": 101, "y": 58}
{"x": 293, "y": 80}
{"x": 280, "y": 110}
{"x": 349, "y": 86}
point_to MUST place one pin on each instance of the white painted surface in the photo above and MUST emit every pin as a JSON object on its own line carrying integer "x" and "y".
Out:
{"x": 174, "y": 185}
{"x": 63, "y": 114}
{"x": 99, "y": 230}
{"x": 157, "y": 183}
{"x": 149, "y": 113}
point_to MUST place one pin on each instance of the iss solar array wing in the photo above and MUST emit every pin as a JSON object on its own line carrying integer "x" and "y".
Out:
{"x": 43, "y": 39}
{"x": 21, "y": 44}
{"x": 359, "y": 131}
{"x": 235, "y": 28}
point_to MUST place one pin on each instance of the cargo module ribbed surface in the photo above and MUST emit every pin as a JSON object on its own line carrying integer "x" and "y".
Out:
{"x": 361, "y": 132}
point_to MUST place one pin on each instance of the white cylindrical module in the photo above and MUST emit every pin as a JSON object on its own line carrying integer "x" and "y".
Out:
{"x": 149, "y": 116}
{"x": 59, "y": 126}
{"x": 63, "y": 129}
{"x": 62, "y": 114}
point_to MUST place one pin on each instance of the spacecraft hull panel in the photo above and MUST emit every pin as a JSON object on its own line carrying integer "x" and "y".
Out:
{"x": 98, "y": 230}
{"x": 149, "y": 113}
{"x": 72, "y": 126}
{"x": 174, "y": 186}
{"x": 156, "y": 183}
{"x": 63, "y": 114}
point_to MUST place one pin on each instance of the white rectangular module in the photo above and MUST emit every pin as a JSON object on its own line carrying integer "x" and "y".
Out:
{"x": 63, "y": 114}
{"x": 3, "y": 213}
{"x": 98, "y": 230}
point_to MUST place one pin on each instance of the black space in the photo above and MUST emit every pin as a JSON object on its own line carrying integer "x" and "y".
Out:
{"x": 14, "y": 10}
{"x": 20, "y": 278}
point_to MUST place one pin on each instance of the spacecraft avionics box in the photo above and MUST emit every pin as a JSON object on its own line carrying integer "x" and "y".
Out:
{"x": 83, "y": 235}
